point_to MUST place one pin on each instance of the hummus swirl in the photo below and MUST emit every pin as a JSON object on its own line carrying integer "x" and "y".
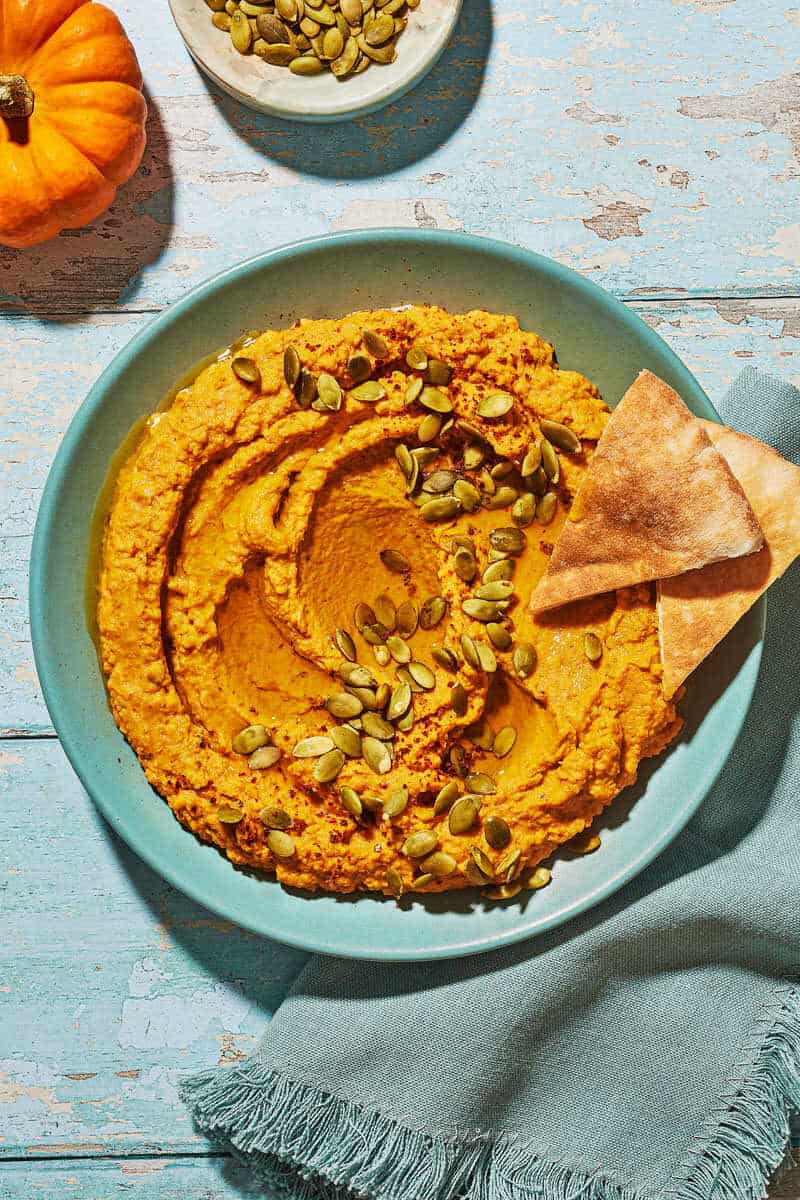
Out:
{"x": 244, "y": 531}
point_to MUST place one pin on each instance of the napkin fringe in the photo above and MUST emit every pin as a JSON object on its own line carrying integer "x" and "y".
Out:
{"x": 309, "y": 1145}
{"x": 752, "y": 1125}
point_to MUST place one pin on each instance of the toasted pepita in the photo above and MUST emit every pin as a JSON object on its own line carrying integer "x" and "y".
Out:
{"x": 546, "y": 508}
{"x": 459, "y": 700}
{"x": 377, "y": 755}
{"x": 444, "y": 657}
{"x": 524, "y": 659}
{"x": 420, "y": 843}
{"x": 508, "y": 540}
{"x": 432, "y": 611}
{"x": 504, "y": 740}
{"x": 462, "y": 816}
{"x": 445, "y": 797}
{"x": 369, "y": 392}
{"x": 351, "y": 801}
{"x": 281, "y": 844}
{"x": 313, "y": 747}
{"x": 407, "y": 618}
{"x": 495, "y": 405}
{"x": 497, "y": 832}
{"x": 561, "y": 435}
{"x": 249, "y": 739}
{"x": 393, "y": 560}
{"x": 275, "y": 818}
{"x": 499, "y": 635}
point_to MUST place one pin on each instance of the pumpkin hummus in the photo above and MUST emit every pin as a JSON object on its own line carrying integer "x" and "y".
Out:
{"x": 313, "y": 608}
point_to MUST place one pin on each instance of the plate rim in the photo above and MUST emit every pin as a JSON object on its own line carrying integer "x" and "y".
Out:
{"x": 44, "y": 530}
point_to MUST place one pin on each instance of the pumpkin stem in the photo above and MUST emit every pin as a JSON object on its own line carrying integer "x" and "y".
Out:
{"x": 16, "y": 97}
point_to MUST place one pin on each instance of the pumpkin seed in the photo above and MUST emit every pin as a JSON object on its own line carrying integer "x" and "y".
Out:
{"x": 381, "y": 29}
{"x": 414, "y": 390}
{"x": 459, "y": 699}
{"x": 221, "y": 20}
{"x": 429, "y": 428}
{"x": 381, "y": 54}
{"x": 561, "y": 436}
{"x": 499, "y": 635}
{"x": 432, "y": 611}
{"x": 372, "y": 340}
{"x": 275, "y": 818}
{"x": 351, "y": 801}
{"x": 249, "y": 739}
{"x": 382, "y": 655}
{"x": 305, "y": 389}
{"x": 444, "y": 657}
{"x": 332, "y": 43}
{"x": 404, "y": 459}
{"x": 504, "y": 740}
{"x": 306, "y": 64}
{"x": 480, "y": 610}
{"x": 458, "y": 761}
{"x": 377, "y": 755}
{"x": 407, "y": 618}
{"x": 382, "y": 695}
{"x": 281, "y": 844}
{"x": 508, "y": 540}
{"x": 355, "y": 675}
{"x": 503, "y": 891}
{"x": 329, "y": 392}
{"x": 498, "y": 589}
{"x": 400, "y": 702}
{"x": 498, "y": 404}
{"x": 244, "y": 368}
{"x": 351, "y": 11}
{"x": 549, "y": 461}
{"x": 486, "y": 657}
{"x": 474, "y": 455}
{"x": 592, "y": 646}
{"x": 216, "y": 6}
{"x": 425, "y": 454}
{"x": 463, "y": 816}
{"x": 395, "y": 803}
{"x": 264, "y": 758}
{"x": 443, "y": 508}
{"x": 532, "y": 460}
{"x": 363, "y": 615}
{"x": 546, "y": 508}
{"x": 288, "y": 9}
{"x": 503, "y": 568}
{"x": 481, "y": 783}
{"x": 345, "y": 644}
{"x": 439, "y": 864}
{"x": 346, "y": 739}
{"x": 487, "y": 483}
{"x": 328, "y": 766}
{"x": 497, "y": 832}
{"x": 313, "y": 747}
{"x": 508, "y": 867}
{"x": 470, "y": 652}
{"x": 445, "y": 797}
{"x": 407, "y": 722}
{"x": 348, "y": 58}
{"x": 482, "y": 862}
{"x": 376, "y": 727}
{"x": 539, "y": 879}
{"x": 273, "y": 31}
{"x": 344, "y": 705}
{"x": 537, "y": 482}
{"x": 503, "y": 497}
{"x": 523, "y": 510}
{"x": 417, "y": 357}
{"x": 423, "y": 880}
{"x": 369, "y": 392}
{"x": 277, "y": 55}
{"x": 468, "y": 494}
{"x": 465, "y": 565}
{"x": 398, "y": 648}
{"x": 359, "y": 367}
{"x": 435, "y": 401}
{"x": 524, "y": 659}
{"x": 422, "y": 675}
{"x": 439, "y": 481}
{"x": 502, "y": 469}
{"x": 372, "y": 804}
{"x": 474, "y": 874}
{"x": 385, "y": 611}
{"x": 229, "y": 814}
{"x": 394, "y": 882}
{"x": 584, "y": 843}
{"x": 393, "y": 560}
{"x": 420, "y": 843}
{"x": 242, "y": 39}
{"x": 439, "y": 373}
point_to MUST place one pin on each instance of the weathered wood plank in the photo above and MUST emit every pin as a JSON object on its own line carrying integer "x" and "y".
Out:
{"x": 654, "y": 146}
{"x": 715, "y": 338}
{"x": 112, "y": 982}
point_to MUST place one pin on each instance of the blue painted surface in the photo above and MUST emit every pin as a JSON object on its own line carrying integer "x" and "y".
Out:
{"x": 655, "y": 147}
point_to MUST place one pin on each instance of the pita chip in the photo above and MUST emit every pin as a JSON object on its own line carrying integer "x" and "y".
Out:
{"x": 657, "y": 499}
{"x": 697, "y": 610}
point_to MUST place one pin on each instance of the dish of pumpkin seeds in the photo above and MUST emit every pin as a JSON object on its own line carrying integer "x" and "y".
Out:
{"x": 316, "y": 632}
{"x": 344, "y": 37}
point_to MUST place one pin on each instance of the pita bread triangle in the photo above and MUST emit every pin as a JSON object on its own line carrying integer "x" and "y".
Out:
{"x": 657, "y": 499}
{"x": 697, "y": 610}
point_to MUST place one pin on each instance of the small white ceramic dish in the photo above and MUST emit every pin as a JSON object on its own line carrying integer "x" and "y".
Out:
{"x": 276, "y": 91}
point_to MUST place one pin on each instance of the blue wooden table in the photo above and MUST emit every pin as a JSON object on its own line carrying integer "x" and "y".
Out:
{"x": 652, "y": 145}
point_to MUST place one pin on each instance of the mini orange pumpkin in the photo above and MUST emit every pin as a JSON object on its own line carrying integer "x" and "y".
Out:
{"x": 72, "y": 115}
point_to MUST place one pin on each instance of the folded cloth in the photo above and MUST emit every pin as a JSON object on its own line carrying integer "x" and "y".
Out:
{"x": 648, "y": 1049}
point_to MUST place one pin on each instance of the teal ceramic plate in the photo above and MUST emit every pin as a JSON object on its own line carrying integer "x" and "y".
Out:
{"x": 593, "y": 333}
